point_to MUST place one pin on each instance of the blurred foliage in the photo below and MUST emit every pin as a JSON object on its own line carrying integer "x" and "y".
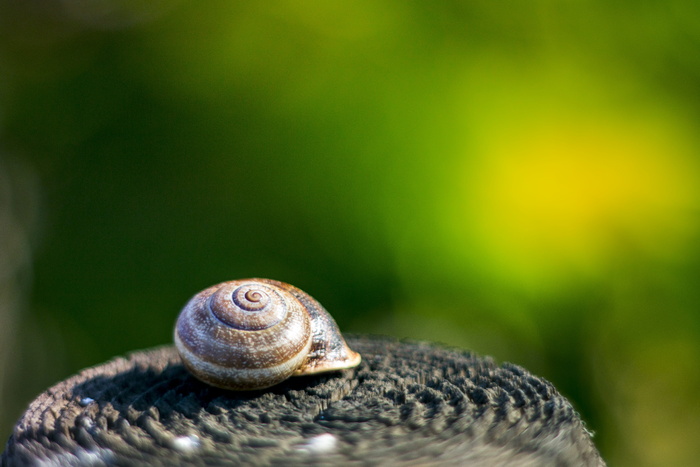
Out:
{"x": 517, "y": 178}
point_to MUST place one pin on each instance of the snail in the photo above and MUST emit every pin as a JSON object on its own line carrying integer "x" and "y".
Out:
{"x": 254, "y": 333}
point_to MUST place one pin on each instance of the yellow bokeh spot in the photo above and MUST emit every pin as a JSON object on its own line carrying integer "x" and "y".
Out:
{"x": 556, "y": 200}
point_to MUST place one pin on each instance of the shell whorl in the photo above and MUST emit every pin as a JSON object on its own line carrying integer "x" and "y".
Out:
{"x": 254, "y": 333}
{"x": 251, "y": 306}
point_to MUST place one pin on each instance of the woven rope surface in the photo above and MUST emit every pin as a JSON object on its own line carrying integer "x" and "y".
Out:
{"x": 407, "y": 404}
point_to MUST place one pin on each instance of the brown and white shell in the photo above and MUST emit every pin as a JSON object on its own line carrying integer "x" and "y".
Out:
{"x": 254, "y": 333}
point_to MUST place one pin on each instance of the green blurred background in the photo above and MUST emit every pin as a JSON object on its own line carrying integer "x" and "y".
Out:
{"x": 516, "y": 178}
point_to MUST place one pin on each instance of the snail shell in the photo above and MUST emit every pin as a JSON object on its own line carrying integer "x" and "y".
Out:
{"x": 254, "y": 333}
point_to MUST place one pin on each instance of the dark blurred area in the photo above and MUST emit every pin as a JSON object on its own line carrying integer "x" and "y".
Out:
{"x": 516, "y": 178}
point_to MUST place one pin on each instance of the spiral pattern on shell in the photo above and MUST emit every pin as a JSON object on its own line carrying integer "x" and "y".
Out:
{"x": 254, "y": 333}
{"x": 248, "y": 307}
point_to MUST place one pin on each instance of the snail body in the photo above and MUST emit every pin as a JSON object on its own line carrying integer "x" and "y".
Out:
{"x": 254, "y": 333}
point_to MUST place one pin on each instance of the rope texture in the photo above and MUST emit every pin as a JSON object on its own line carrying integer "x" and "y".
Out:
{"x": 407, "y": 404}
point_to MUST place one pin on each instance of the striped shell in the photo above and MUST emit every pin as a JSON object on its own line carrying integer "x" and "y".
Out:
{"x": 254, "y": 333}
